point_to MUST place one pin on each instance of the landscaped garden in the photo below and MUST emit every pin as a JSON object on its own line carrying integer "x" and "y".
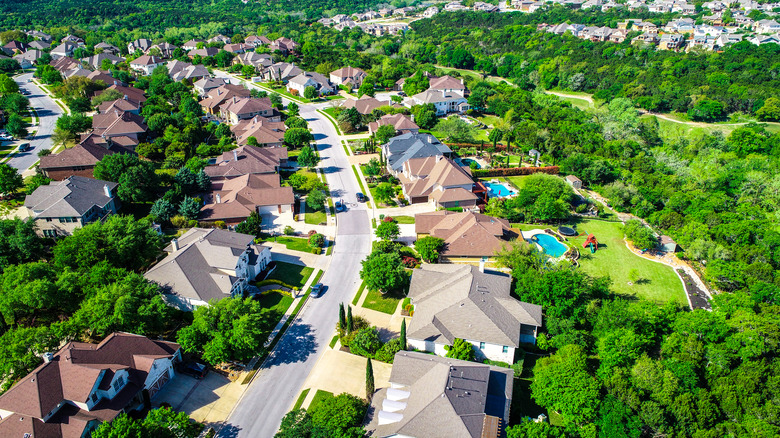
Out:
{"x": 275, "y": 301}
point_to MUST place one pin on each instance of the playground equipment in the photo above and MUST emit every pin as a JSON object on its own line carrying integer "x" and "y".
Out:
{"x": 591, "y": 240}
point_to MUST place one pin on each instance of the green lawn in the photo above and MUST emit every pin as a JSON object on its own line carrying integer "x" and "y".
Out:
{"x": 319, "y": 396}
{"x": 517, "y": 181}
{"x": 314, "y": 217}
{"x": 404, "y": 219}
{"x": 360, "y": 180}
{"x": 283, "y": 91}
{"x": 658, "y": 282}
{"x": 274, "y": 301}
{"x": 292, "y": 274}
{"x": 359, "y": 294}
{"x": 301, "y": 398}
{"x": 294, "y": 243}
{"x": 372, "y": 189}
{"x": 381, "y": 303}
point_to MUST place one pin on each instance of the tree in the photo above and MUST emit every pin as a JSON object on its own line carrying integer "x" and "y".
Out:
{"x": 316, "y": 240}
{"x": 48, "y": 74}
{"x": 18, "y": 242}
{"x": 276, "y": 100}
{"x": 402, "y": 337}
{"x": 770, "y": 111}
{"x": 369, "y": 380}
{"x": 189, "y": 208}
{"x": 460, "y": 349}
{"x": 339, "y": 416}
{"x": 350, "y": 120}
{"x": 456, "y": 129}
{"x": 316, "y": 199}
{"x": 297, "y": 137}
{"x": 366, "y": 342}
{"x": 495, "y": 136}
{"x": 428, "y": 247}
{"x": 640, "y": 235}
{"x": 295, "y": 424}
{"x": 16, "y": 126}
{"x": 342, "y": 317}
{"x": 388, "y": 231}
{"x": 10, "y": 179}
{"x": 384, "y": 192}
{"x": 7, "y": 85}
{"x": 425, "y": 115}
{"x": 228, "y": 329}
{"x": 385, "y": 133}
{"x": 162, "y": 210}
{"x": 383, "y": 272}
{"x": 349, "y": 319}
{"x": 138, "y": 183}
{"x": 531, "y": 429}
{"x": 162, "y": 422}
{"x": 74, "y": 124}
{"x": 373, "y": 167}
{"x": 366, "y": 88}
{"x": 296, "y": 122}
{"x": 21, "y": 349}
{"x": 107, "y": 96}
{"x": 415, "y": 84}
{"x": 292, "y": 109}
{"x": 307, "y": 157}
{"x": 251, "y": 225}
{"x": 310, "y": 92}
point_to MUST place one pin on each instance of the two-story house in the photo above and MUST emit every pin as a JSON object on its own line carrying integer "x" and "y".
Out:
{"x": 146, "y": 64}
{"x": 208, "y": 264}
{"x": 60, "y": 207}
{"x": 244, "y": 108}
{"x": 439, "y": 181}
{"x": 318, "y": 81}
{"x": 401, "y": 148}
{"x": 444, "y": 102}
{"x": 83, "y": 385}
{"x": 351, "y": 77}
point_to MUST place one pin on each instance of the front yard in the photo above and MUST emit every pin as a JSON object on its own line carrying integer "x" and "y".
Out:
{"x": 382, "y": 303}
{"x": 292, "y": 274}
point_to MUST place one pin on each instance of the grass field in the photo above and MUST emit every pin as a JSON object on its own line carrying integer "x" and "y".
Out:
{"x": 359, "y": 294}
{"x": 294, "y": 243}
{"x": 404, "y": 219}
{"x": 274, "y": 301}
{"x": 319, "y": 396}
{"x": 314, "y": 217}
{"x": 294, "y": 275}
{"x": 301, "y": 398}
{"x": 381, "y": 303}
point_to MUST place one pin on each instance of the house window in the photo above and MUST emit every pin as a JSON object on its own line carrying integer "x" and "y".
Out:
{"x": 94, "y": 397}
{"x": 50, "y": 233}
{"x": 118, "y": 383}
{"x": 506, "y": 349}
{"x": 481, "y": 345}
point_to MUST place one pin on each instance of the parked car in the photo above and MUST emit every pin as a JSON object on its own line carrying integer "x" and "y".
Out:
{"x": 340, "y": 206}
{"x": 317, "y": 290}
{"x": 24, "y": 147}
{"x": 360, "y": 197}
{"x": 194, "y": 369}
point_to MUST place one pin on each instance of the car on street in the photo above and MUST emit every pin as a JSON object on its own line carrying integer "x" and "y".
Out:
{"x": 317, "y": 290}
{"x": 360, "y": 197}
{"x": 194, "y": 369}
{"x": 24, "y": 147}
{"x": 341, "y": 206}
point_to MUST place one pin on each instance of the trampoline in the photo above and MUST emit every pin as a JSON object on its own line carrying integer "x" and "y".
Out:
{"x": 567, "y": 231}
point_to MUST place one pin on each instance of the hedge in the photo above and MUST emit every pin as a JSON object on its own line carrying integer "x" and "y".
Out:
{"x": 515, "y": 171}
{"x": 274, "y": 281}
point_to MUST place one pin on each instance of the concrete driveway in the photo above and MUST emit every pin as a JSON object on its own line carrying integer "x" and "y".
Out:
{"x": 208, "y": 400}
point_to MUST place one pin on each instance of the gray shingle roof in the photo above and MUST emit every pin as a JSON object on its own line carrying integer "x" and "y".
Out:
{"x": 406, "y": 146}
{"x": 71, "y": 197}
{"x": 459, "y": 301}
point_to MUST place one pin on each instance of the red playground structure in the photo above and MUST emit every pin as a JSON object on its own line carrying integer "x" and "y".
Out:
{"x": 594, "y": 244}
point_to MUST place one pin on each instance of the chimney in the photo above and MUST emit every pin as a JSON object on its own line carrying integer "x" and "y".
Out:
{"x": 431, "y": 139}
{"x": 48, "y": 357}
{"x": 235, "y": 155}
{"x": 219, "y": 199}
{"x": 482, "y": 265}
{"x": 175, "y": 244}
{"x": 106, "y": 190}
{"x": 116, "y": 112}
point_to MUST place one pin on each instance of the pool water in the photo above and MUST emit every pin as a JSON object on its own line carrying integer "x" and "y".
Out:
{"x": 550, "y": 244}
{"x": 498, "y": 190}
{"x": 468, "y": 161}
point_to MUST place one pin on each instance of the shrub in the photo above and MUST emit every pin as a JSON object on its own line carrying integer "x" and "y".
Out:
{"x": 316, "y": 240}
{"x": 358, "y": 323}
{"x": 366, "y": 342}
{"x": 179, "y": 221}
{"x": 387, "y": 353}
{"x": 274, "y": 281}
{"x": 288, "y": 230}
{"x": 388, "y": 219}
{"x": 192, "y": 223}
{"x": 515, "y": 171}
{"x": 220, "y": 224}
{"x": 316, "y": 251}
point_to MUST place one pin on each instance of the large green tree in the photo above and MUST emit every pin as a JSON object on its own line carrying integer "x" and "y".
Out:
{"x": 383, "y": 272}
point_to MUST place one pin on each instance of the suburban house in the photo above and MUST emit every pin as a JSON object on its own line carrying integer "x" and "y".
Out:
{"x": 221, "y": 95}
{"x": 206, "y": 84}
{"x": 247, "y": 160}
{"x": 63, "y": 50}
{"x": 438, "y": 180}
{"x": 208, "y": 264}
{"x": 73, "y": 39}
{"x": 365, "y": 105}
{"x": 448, "y": 84}
{"x": 431, "y": 396}
{"x": 60, "y": 207}
{"x": 244, "y": 108}
{"x": 192, "y": 44}
{"x": 402, "y": 124}
{"x": 105, "y": 47}
{"x": 124, "y": 104}
{"x": 180, "y": 70}
{"x": 28, "y": 58}
{"x": 139, "y": 45}
{"x": 319, "y": 81}
{"x": 445, "y": 102}
{"x": 574, "y": 181}
{"x": 39, "y": 45}
{"x": 257, "y": 60}
{"x": 351, "y": 77}
{"x": 79, "y": 160}
{"x": 146, "y": 64}
{"x": 237, "y": 48}
{"x": 203, "y": 53}
{"x": 465, "y": 302}
{"x": 219, "y": 38}
{"x": 134, "y": 94}
{"x": 83, "y": 385}
{"x": 96, "y": 61}
{"x": 402, "y": 148}
{"x": 64, "y": 63}
{"x": 166, "y": 49}
{"x": 468, "y": 237}
{"x": 283, "y": 45}
{"x": 257, "y": 41}
{"x": 124, "y": 128}
{"x": 280, "y": 72}
{"x": 14, "y": 46}
{"x": 265, "y": 131}
{"x": 233, "y": 200}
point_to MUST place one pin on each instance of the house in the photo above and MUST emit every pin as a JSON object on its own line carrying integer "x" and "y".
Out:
{"x": 83, "y": 385}
{"x": 237, "y": 48}
{"x": 267, "y": 132}
{"x": 766, "y": 26}
{"x": 466, "y": 302}
{"x": 365, "y": 105}
{"x": 15, "y": 47}
{"x": 39, "y": 45}
{"x": 203, "y": 53}
{"x": 448, "y": 84}
{"x": 468, "y": 237}
{"x": 233, "y": 200}
{"x": 192, "y": 44}
{"x": 319, "y": 81}
{"x": 258, "y": 60}
{"x": 431, "y": 396}
{"x": 79, "y": 160}
{"x": 96, "y": 61}
{"x": 124, "y": 104}
{"x": 59, "y": 208}
{"x": 430, "y": 12}
{"x": 351, "y": 77}
{"x": 131, "y": 93}
{"x": 180, "y": 70}
{"x": 484, "y": 7}
{"x": 219, "y": 38}
{"x": 573, "y": 181}
{"x": 247, "y": 160}
{"x": 205, "y": 265}
{"x": 257, "y": 41}
{"x": 445, "y": 102}
{"x": 107, "y": 48}
{"x": 63, "y": 50}
{"x": 28, "y": 58}
{"x": 37, "y": 34}
{"x": 671, "y": 41}
{"x": 140, "y": 45}
{"x": 618, "y": 36}
{"x": 283, "y": 45}
{"x": 402, "y": 148}
{"x": 206, "y": 84}
{"x": 64, "y": 63}
{"x": 281, "y": 72}
{"x": 402, "y": 124}
{"x": 166, "y": 49}
{"x": 217, "y": 97}
{"x": 244, "y": 108}
{"x": 122, "y": 127}
{"x": 146, "y": 64}
{"x": 437, "y": 180}
{"x": 73, "y": 39}
{"x": 667, "y": 244}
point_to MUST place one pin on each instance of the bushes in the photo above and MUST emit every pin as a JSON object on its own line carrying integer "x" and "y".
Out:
{"x": 366, "y": 342}
{"x": 273, "y": 281}
{"x": 640, "y": 235}
{"x": 316, "y": 240}
{"x": 515, "y": 171}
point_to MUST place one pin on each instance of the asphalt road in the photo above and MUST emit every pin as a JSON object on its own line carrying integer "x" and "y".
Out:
{"x": 48, "y": 113}
{"x": 279, "y": 382}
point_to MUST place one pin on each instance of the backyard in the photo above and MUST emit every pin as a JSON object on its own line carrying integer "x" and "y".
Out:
{"x": 292, "y": 274}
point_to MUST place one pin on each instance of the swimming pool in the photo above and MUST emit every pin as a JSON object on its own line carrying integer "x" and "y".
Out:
{"x": 550, "y": 245}
{"x": 468, "y": 161}
{"x": 496, "y": 190}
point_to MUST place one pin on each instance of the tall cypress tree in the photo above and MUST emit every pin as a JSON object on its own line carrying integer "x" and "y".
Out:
{"x": 349, "y": 319}
{"x": 342, "y": 318}
{"x": 369, "y": 380}
{"x": 403, "y": 334}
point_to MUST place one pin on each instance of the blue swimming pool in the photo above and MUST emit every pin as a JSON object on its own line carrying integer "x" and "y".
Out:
{"x": 468, "y": 161}
{"x": 550, "y": 244}
{"x": 496, "y": 190}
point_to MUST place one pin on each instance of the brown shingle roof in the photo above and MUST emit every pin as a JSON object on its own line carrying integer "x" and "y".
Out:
{"x": 80, "y": 155}
{"x": 251, "y": 160}
{"x": 465, "y": 234}
{"x": 364, "y": 105}
{"x": 239, "y": 196}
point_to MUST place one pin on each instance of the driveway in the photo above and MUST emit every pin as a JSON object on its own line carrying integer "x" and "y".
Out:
{"x": 48, "y": 113}
{"x": 208, "y": 400}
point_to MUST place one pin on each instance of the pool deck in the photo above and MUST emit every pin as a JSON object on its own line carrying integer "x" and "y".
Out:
{"x": 512, "y": 191}
{"x": 527, "y": 235}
